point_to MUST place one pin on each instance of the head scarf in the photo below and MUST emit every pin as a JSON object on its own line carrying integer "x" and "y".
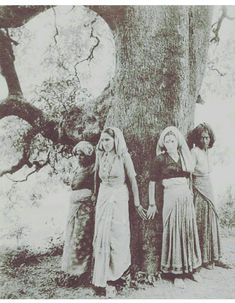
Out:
{"x": 85, "y": 147}
{"x": 184, "y": 152}
{"x": 119, "y": 142}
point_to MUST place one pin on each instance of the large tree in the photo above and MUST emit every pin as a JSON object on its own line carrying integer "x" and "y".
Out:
{"x": 160, "y": 60}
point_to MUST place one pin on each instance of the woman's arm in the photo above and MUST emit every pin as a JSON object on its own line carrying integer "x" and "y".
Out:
{"x": 96, "y": 180}
{"x": 152, "y": 209}
{"x": 194, "y": 158}
{"x": 130, "y": 171}
{"x": 96, "y": 183}
{"x": 135, "y": 190}
{"x": 155, "y": 177}
{"x": 78, "y": 179}
{"x": 134, "y": 187}
{"x": 152, "y": 193}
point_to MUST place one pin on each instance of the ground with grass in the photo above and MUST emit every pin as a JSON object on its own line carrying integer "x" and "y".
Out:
{"x": 37, "y": 280}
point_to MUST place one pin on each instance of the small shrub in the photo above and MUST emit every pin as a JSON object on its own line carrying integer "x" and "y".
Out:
{"x": 227, "y": 210}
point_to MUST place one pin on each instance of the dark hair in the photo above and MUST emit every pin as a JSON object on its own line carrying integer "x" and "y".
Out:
{"x": 109, "y": 131}
{"x": 194, "y": 136}
{"x": 87, "y": 160}
{"x": 170, "y": 133}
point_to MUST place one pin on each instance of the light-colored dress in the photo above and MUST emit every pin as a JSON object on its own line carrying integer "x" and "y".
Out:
{"x": 111, "y": 242}
{"x": 77, "y": 252}
{"x": 207, "y": 218}
{"x": 180, "y": 243}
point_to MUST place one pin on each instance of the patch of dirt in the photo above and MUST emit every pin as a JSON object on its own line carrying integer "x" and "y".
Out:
{"x": 38, "y": 281}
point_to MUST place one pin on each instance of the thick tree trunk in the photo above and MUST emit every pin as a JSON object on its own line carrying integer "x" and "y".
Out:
{"x": 161, "y": 53}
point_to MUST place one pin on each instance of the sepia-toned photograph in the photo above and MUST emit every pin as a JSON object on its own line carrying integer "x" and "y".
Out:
{"x": 117, "y": 167}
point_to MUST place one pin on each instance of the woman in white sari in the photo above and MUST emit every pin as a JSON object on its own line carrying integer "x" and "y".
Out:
{"x": 111, "y": 243}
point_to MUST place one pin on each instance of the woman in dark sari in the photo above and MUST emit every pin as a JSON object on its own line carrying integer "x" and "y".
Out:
{"x": 180, "y": 244}
{"x": 201, "y": 139}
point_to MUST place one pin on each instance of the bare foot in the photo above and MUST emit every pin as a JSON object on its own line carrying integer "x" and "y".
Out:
{"x": 111, "y": 291}
{"x": 196, "y": 277}
{"x": 209, "y": 266}
{"x": 179, "y": 283}
{"x": 222, "y": 264}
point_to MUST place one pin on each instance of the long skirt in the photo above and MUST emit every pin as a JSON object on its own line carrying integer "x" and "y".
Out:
{"x": 111, "y": 242}
{"x": 180, "y": 244}
{"x": 77, "y": 252}
{"x": 208, "y": 228}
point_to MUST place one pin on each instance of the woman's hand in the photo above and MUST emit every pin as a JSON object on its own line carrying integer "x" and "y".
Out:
{"x": 152, "y": 210}
{"x": 141, "y": 211}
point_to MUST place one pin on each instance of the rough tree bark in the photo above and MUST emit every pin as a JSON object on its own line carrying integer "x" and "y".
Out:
{"x": 161, "y": 54}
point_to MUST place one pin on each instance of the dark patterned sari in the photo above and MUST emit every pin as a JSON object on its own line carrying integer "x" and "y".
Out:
{"x": 77, "y": 253}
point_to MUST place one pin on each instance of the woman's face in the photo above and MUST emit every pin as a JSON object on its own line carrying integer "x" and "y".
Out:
{"x": 107, "y": 142}
{"x": 205, "y": 140}
{"x": 170, "y": 143}
{"x": 81, "y": 157}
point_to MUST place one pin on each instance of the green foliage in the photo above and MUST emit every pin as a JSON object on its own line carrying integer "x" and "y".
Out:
{"x": 57, "y": 79}
{"x": 33, "y": 213}
{"x": 227, "y": 210}
{"x": 57, "y": 97}
{"x": 12, "y": 129}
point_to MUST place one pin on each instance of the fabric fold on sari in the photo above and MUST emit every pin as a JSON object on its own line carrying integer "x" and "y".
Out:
{"x": 202, "y": 184}
{"x": 207, "y": 219}
{"x": 112, "y": 234}
{"x": 77, "y": 252}
{"x": 180, "y": 243}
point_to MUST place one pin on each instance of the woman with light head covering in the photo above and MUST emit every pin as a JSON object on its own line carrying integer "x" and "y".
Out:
{"x": 111, "y": 242}
{"x": 201, "y": 140}
{"x": 77, "y": 252}
{"x": 180, "y": 245}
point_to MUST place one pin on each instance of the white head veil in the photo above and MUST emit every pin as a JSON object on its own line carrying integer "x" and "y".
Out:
{"x": 119, "y": 142}
{"x": 184, "y": 152}
{"x": 86, "y": 147}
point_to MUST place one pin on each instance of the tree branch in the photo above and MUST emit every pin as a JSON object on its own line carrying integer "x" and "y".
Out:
{"x": 56, "y": 28}
{"x": 16, "y": 16}
{"x": 31, "y": 114}
{"x": 74, "y": 127}
{"x": 67, "y": 133}
{"x": 91, "y": 53}
{"x": 211, "y": 67}
{"x": 217, "y": 25}
{"x": 7, "y": 66}
{"x": 27, "y": 139}
{"x": 112, "y": 14}
{"x": 12, "y": 40}
{"x": 38, "y": 166}
{"x": 91, "y": 56}
{"x": 216, "y": 69}
{"x": 14, "y": 168}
